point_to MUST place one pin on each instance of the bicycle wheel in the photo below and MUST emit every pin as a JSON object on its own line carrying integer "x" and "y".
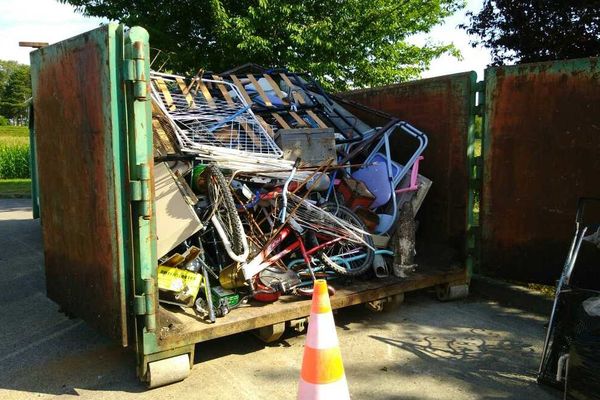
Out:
{"x": 224, "y": 209}
{"x": 347, "y": 257}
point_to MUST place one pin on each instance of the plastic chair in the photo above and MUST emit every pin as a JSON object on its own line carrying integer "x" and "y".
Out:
{"x": 381, "y": 175}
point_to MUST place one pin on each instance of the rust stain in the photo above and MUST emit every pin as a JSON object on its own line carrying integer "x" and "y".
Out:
{"x": 440, "y": 108}
{"x": 543, "y": 155}
{"x": 75, "y": 181}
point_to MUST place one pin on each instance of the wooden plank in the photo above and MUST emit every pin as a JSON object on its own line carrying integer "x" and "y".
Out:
{"x": 281, "y": 121}
{"x": 206, "y": 93}
{"x": 223, "y": 90}
{"x": 282, "y": 96}
{"x": 249, "y": 317}
{"x": 267, "y": 127}
{"x": 250, "y": 133}
{"x": 162, "y": 141}
{"x": 316, "y": 119}
{"x": 241, "y": 88}
{"x": 280, "y": 93}
{"x": 247, "y": 129}
{"x": 260, "y": 90}
{"x": 297, "y": 96}
{"x": 162, "y": 86}
{"x": 186, "y": 92}
{"x": 35, "y": 45}
{"x": 299, "y": 120}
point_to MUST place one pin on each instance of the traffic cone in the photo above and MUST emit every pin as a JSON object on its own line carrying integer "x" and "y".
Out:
{"x": 322, "y": 375}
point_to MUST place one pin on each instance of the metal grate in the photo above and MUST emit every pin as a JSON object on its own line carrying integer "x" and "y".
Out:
{"x": 213, "y": 121}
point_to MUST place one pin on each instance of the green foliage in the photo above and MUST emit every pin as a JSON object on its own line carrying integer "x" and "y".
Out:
{"x": 15, "y": 89}
{"x": 14, "y": 152}
{"x": 343, "y": 43}
{"x": 18, "y": 135}
{"x": 14, "y": 161}
{"x": 3, "y": 121}
{"x": 534, "y": 30}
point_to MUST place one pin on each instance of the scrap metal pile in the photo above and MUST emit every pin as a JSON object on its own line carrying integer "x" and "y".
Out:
{"x": 264, "y": 182}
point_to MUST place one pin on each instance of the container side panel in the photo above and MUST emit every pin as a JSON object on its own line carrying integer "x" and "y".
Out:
{"x": 440, "y": 107}
{"x": 76, "y": 175}
{"x": 541, "y": 152}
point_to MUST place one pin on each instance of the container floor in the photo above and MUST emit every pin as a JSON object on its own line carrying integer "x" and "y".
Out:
{"x": 185, "y": 326}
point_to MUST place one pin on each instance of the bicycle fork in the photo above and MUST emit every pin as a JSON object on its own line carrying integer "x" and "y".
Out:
{"x": 305, "y": 255}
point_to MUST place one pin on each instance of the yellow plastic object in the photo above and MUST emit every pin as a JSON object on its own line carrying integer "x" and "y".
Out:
{"x": 232, "y": 277}
{"x": 178, "y": 286}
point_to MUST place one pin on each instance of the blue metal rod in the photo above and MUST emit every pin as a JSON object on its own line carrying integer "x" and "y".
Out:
{"x": 226, "y": 120}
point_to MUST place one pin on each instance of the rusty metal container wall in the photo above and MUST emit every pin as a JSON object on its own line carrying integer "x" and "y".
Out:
{"x": 79, "y": 176}
{"x": 442, "y": 108}
{"x": 541, "y": 152}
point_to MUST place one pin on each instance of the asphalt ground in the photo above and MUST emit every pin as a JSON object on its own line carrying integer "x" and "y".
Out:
{"x": 476, "y": 348}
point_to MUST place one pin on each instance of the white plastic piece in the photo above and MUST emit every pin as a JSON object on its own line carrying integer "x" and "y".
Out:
{"x": 169, "y": 370}
{"x": 403, "y": 271}
{"x": 379, "y": 266}
{"x": 227, "y": 243}
{"x": 562, "y": 367}
{"x": 592, "y": 306}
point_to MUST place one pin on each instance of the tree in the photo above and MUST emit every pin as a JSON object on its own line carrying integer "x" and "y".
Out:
{"x": 15, "y": 90}
{"x": 6, "y": 69}
{"x": 537, "y": 30}
{"x": 343, "y": 43}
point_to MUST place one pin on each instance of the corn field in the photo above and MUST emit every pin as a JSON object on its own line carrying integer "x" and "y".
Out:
{"x": 14, "y": 161}
{"x": 14, "y": 153}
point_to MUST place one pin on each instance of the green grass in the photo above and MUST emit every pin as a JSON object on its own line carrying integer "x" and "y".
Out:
{"x": 14, "y": 135}
{"x": 13, "y": 188}
{"x": 14, "y": 161}
{"x": 14, "y": 152}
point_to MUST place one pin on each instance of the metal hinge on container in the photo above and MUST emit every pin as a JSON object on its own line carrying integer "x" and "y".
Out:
{"x": 134, "y": 70}
{"x": 140, "y": 190}
{"x": 145, "y": 304}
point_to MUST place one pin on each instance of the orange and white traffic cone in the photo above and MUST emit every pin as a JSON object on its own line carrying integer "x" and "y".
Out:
{"x": 322, "y": 375}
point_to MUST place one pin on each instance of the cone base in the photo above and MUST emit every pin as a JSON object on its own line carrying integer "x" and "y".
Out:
{"x": 336, "y": 390}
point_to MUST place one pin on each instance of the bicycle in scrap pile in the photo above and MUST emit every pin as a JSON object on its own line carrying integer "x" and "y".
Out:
{"x": 305, "y": 241}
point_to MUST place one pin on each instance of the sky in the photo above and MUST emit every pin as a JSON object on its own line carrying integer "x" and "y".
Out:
{"x": 474, "y": 59}
{"x": 50, "y": 21}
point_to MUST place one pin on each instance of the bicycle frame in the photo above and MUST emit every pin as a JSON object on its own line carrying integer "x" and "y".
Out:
{"x": 264, "y": 258}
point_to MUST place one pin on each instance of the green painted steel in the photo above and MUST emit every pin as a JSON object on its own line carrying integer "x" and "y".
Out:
{"x": 136, "y": 72}
{"x": 35, "y": 198}
{"x": 474, "y": 165}
{"x": 78, "y": 135}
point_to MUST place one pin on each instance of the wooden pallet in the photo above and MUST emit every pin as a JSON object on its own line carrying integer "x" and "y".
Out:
{"x": 280, "y": 119}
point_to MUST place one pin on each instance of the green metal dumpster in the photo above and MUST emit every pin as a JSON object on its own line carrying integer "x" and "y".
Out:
{"x": 94, "y": 192}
